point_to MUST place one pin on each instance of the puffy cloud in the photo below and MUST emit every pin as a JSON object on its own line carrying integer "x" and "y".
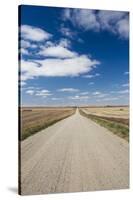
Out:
{"x": 57, "y": 67}
{"x": 85, "y": 19}
{"x": 30, "y": 92}
{"x": 123, "y": 28}
{"x": 108, "y": 19}
{"x": 58, "y": 59}
{"x": 24, "y": 51}
{"x": 24, "y": 44}
{"x": 43, "y": 93}
{"x": 57, "y": 51}
{"x": 33, "y": 33}
{"x": 116, "y": 22}
{"x": 28, "y": 69}
{"x": 68, "y": 90}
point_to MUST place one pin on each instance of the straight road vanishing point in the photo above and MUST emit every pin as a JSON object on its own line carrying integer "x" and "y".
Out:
{"x": 74, "y": 155}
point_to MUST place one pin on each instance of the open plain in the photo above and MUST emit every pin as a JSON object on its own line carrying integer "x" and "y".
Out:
{"x": 34, "y": 119}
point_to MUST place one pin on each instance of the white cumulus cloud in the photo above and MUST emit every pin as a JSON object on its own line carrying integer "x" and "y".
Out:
{"x": 123, "y": 28}
{"x": 40, "y": 93}
{"x": 30, "y": 92}
{"x": 24, "y": 44}
{"x": 34, "y": 33}
{"x": 24, "y": 51}
{"x": 116, "y": 22}
{"x": 57, "y": 67}
{"x": 85, "y": 19}
{"x": 57, "y": 51}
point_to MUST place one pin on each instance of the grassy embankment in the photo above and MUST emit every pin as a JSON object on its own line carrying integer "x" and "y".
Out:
{"x": 33, "y": 120}
{"x": 115, "y": 125}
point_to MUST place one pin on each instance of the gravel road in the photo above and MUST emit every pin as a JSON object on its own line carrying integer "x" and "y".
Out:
{"x": 74, "y": 155}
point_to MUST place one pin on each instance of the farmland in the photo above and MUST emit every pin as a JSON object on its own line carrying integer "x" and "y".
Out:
{"x": 116, "y": 118}
{"x": 117, "y": 112}
{"x": 34, "y": 119}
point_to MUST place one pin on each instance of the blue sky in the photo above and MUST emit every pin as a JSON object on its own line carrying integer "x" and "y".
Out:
{"x": 73, "y": 56}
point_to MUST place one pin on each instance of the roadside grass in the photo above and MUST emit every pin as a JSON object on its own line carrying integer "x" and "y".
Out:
{"x": 34, "y": 124}
{"x": 119, "y": 129}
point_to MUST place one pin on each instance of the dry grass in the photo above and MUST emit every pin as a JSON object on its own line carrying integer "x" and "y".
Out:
{"x": 33, "y": 119}
{"x": 117, "y": 114}
{"x": 118, "y": 126}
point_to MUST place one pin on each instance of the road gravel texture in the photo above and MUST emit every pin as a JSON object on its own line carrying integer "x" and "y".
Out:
{"x": 74, "y": 155}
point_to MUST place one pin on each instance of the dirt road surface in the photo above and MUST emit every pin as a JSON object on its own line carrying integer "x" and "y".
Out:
{"x": 74, "y": 155}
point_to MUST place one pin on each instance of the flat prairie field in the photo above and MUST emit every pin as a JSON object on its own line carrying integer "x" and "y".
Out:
{"x": 116, "y": 112}
{"x": 34, "y": 119}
